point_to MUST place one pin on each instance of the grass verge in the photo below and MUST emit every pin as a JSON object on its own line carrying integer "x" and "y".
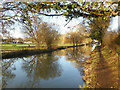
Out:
{"x": 101, "y": 69}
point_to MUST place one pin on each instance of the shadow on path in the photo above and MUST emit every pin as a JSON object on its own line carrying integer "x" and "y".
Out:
{"x": 102, "y": 69}
{"x": 104, "y": 74}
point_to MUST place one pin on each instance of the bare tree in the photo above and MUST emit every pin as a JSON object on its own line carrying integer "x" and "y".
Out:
{"x": 31, "y": 29}
{"x": 41, "y": 32}
{"x": 78, "y": 35}
{"x": 49, "y": 36}
{"x": 74, "y": 38}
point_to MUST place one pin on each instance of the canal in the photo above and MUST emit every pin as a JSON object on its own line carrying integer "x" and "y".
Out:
{"x": 59, "y": 69}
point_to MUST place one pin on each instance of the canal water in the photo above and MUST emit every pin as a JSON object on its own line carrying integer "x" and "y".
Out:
{"x": 59, "y": 69}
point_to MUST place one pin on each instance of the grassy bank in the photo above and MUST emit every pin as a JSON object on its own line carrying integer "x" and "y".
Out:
{"x": 28, "y": 52}
{"x": 6, "y": 48}
{"x": 101, "y": 69}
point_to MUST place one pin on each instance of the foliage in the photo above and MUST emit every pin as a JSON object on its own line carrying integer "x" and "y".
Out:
{"x": 112, "y": 40}
{"x": 74, "y": 37}
{"x": 48, "y": 35}
{"x": 28, "y": 13}
{"x": 32, "y": 28}
{"x": 98, "y": 27}
{"x": 118, "y": 39}
{"x": 23, "y": 10}
{"x": 4, "y": 28}
{"x": 41, "y": 32}
{"x": 77, "y": 36}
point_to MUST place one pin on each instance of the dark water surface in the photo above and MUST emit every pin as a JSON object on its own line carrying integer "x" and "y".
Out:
{"x": 59, "y": 69}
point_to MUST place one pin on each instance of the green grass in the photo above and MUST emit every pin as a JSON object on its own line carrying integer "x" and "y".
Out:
{"x": 15, "y": 47}
{"x": 18, "y": 44}
{"x": 66, "y": 44}
{"x": 12, "y": 47}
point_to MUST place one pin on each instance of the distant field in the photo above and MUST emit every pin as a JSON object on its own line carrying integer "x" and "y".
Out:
{"x": 18, "y": 44}
{"x": 14, "y": 47}
{"x": 65, "y": 44}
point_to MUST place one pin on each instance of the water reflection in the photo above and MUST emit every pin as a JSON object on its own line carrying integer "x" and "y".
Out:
{"x": 78, "y": 55}
{"x": 43, "y": 66}
{"x": 60, "y": 69}
{"x": 7, "y": 68}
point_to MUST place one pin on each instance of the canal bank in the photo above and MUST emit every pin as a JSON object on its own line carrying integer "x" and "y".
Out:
{"x": 101, "y": 69}
{"x": 23, "y": 53}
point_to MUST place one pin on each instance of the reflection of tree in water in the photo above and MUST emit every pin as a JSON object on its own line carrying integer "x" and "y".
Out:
{"x": 78, "y": 55}
{"x": 74, "y": 54}
{"x": 43, "y": 66}
{"x": 7, "y": 68}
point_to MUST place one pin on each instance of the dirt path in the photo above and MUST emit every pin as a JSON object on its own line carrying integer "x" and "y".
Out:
{"x": 101, "y": 70}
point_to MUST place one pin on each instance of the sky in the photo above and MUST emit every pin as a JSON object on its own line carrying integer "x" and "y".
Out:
{"x": 114, "y": 24}
{"x": 60, "y": 22}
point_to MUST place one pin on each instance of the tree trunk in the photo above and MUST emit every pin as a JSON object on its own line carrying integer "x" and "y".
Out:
{"x": 73, "y": 42}
{"x": 49, "y": 46}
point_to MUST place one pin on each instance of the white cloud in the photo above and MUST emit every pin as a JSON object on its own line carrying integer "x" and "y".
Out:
{"x": 60, "y": 21}
{"x": 114, "y": 24}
